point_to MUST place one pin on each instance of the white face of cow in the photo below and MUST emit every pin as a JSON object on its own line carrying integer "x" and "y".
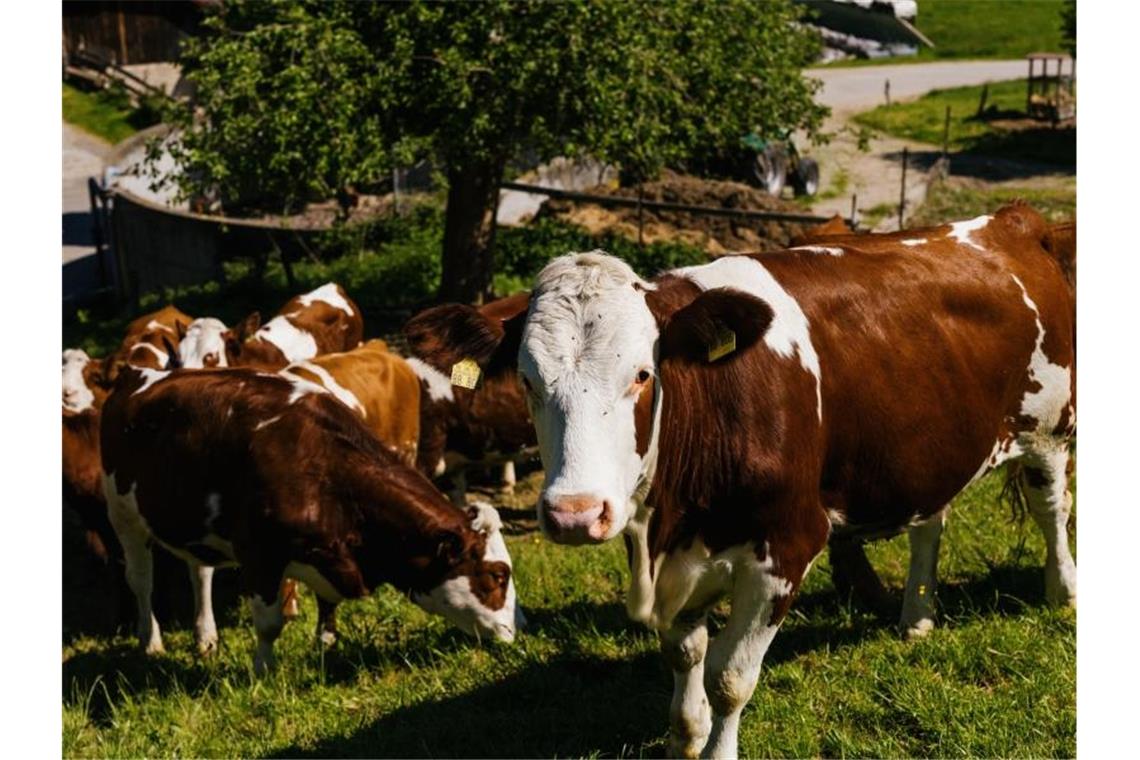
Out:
{"x": 76, "y": 395}
{"x": 203, "y": 345}
{"x": 587, "y": 354}
{"x": 483, "y": 603}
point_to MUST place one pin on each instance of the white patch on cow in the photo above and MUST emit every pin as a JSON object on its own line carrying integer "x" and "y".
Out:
{"x": 296, "y": 344}
{"x": 205, "y": 628}
{"x": 301, "y": 386}
{"x": 835, "y": 517}
{"x": 330, "y": 294}
{"x": 150, "y": 377}
{"x": 588, "y": 334}
{"x": 914, "y": 241}
{"x": 160, "y": 355}
{"x": 438, "y": 384}
{"x": 829, "y": 250}
{"x": 156, "y": 325}
{"x": 1004, "y": 450}
{"x": 961, "y": 231}
{"x": 268, "y": 621}
{"x": 1046, "y": 405}
{"x": 342, "y": 394}
{"x": 213, "y": 508}
{"x": 203, "y": 338}
{"x": 789, "y": 334}
{"x": 266, "y": 423}
{"x": 77, "y": 397}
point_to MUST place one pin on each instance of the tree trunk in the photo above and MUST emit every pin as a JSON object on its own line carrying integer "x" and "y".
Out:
{"x": 469, "y": 231}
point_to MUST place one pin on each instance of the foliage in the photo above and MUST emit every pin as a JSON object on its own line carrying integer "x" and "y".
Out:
{"x": 924, "y": 120}
{"x": 108, "y": 113}
{"x": 995, "y": 679}
{"x": 981, "y": 29}
{"x": 1069, "y": 26}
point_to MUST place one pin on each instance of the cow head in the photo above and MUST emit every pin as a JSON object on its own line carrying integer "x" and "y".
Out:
{"x": 81, "y": 374}
{"x": 478, "y": 593}
{"x": 591, "y": 356}
{"x": 207, "y": 342}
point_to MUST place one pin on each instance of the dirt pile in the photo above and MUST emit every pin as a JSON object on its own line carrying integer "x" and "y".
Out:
{"x": 716, "y": 234}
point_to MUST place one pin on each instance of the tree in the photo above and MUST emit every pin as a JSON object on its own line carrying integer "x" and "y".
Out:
{"x": 1069, "y": 26}
{"x": 297, "y": 101}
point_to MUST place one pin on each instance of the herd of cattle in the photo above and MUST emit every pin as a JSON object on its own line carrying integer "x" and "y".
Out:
{"x": 727, "y": 419}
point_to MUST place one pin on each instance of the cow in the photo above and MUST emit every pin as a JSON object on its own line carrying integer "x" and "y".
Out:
{"x": 836, "y": 225}
{"x": 461, "y": 424}
{"x": 726, "y": 418}
{"x": 145, "y": 342}
{"x": 239, "y": 467}
{"x": 322, "y": 321}
{"x": 83, "y": 396}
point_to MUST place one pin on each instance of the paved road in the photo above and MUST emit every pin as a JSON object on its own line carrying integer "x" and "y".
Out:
{"x": 851, "y": 89}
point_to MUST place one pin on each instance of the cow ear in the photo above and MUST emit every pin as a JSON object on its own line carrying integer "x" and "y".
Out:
{"x": 446, "y": 334}
{"x": 173, "y": 359}
{"x": 180, "y": 329}
{"x": 248, "y": 326}
{"x": 715, "y": 327}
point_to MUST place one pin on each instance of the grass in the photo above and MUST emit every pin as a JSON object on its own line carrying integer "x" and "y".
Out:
{"x": 1002, "y": 132}
{"x": 963, "y": 199}
{"x": 107, "y": 114}
{"x": 982, "y": 29}
{"x": 997, "y": 678}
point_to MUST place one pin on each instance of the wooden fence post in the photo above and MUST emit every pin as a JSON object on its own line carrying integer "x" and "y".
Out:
{"x": 902, "y": 188}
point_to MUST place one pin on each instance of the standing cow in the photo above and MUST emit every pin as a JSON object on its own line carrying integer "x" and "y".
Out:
{"x": 726, "y": 417}
{"x": 237, "y": 467}
{"x": 321, "y": 321}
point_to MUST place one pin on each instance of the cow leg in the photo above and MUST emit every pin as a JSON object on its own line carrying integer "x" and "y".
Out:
{"x": 760, "y": 599}
{"x": 684, "y": 646}
{"x": 918, "y": 600}
{"x": 205, "y": 629}
{"x": 509, "y": 479}
{"x": 264, "y": 581}
{"x": 326, "y": 622}
{"x": 854, "y": 576}
{"x": 458, "y": 491}
{"x": 1050, "y": 503}
{"x": 135, "y": 540}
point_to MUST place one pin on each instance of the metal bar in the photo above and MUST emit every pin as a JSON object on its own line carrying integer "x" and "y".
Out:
{"x": 610, "y": 200}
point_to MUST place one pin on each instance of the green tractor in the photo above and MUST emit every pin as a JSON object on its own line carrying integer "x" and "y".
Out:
{"x": 772, "y": 163}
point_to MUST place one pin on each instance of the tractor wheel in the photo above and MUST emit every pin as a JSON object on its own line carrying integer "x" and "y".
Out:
{"x": 770, "y": 168}
{"x": 805, "y": 180}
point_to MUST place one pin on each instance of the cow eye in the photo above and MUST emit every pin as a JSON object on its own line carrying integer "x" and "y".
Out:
{"x": 643, "y": 377}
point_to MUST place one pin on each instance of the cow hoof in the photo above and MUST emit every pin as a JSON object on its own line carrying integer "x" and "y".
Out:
{"x": 207, "y": 646}
{"x": 687, "y": 748}
{"x": 153, "y": 648}
{"x": 917, "y": 630}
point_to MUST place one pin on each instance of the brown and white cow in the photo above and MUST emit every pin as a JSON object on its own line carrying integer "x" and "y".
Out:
{"x": 460, "y": 424}
{"x": 241, "y": 467}
{"x": 847, "y": 389}
{"x": 83, "y": 397}
{"x": 146, "y": 342}
{"x": 322, "y": 321}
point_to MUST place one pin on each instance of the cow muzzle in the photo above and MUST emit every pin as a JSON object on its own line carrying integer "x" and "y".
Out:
{"x": 576, "y": 518}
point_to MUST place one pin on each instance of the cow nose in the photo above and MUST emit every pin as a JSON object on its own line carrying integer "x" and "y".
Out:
{"x": 576, "y": 518}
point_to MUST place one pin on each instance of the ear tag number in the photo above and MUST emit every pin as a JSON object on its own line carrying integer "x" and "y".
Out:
{"x": 723, "y": 344}
{"x": 466, "y": 374}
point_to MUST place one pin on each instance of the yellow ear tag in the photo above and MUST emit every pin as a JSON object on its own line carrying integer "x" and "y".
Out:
{"x": 466, "y": 374}
{"x": 723, "y": 344}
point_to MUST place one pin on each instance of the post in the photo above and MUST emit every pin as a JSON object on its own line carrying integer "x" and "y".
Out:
{"x": 902, "y": 188}
{"x": 887, "y": 91}
{"x": 1029, "y": 88}
{"x": 982, "y": 100}
{"x": 396, "y": 192}
{"x": 946, "y": 133}
{"x": 852, "y": 221}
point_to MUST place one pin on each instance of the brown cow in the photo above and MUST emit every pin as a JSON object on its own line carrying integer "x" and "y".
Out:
{"x": 836, "y": 225}
{"x": 462, "y": 423}
{"x": 82, "y": 491}
{"x": 728, "y": 417}
{"x": 239, "y": 467}
{"x": 321, "y": 321}
{"x": 144, "y": 344}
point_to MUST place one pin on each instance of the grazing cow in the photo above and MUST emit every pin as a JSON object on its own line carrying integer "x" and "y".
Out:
{"x": 322, "y": 321}
{"x": 275, "y": 475}
{"x": 727, "y": 417}
{"x": 467, "y": 423}
{"x": 145, "y": 344}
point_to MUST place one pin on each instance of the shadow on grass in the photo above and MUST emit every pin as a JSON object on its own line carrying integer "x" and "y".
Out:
{"x": 571, "y": 706}
{"x": 999, "y": 157}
